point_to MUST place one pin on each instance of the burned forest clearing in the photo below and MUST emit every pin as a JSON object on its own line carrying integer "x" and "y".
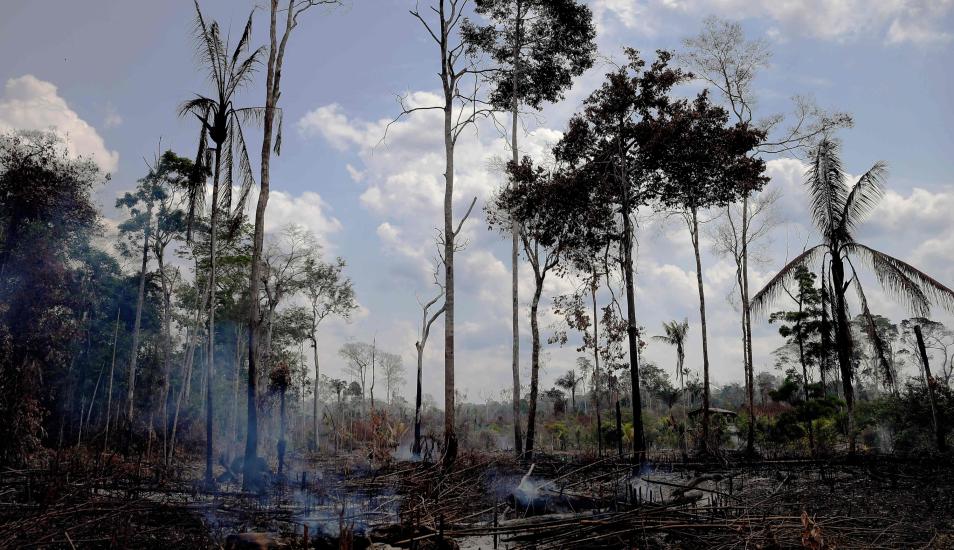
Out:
{"x": 476, "y": 274}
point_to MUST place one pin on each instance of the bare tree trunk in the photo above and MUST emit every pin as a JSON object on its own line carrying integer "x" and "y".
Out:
{"x": 514, "y": 246}
{"x": 166, "y": 350}
{"x": 134, "y": 352}
{"x": 373, "y": 350}
{"x": 281, "y": 431}
{"x": 747, "y": 329}
{"x": 187, "y": 375}
{"x": 639, "y": 442}
{"x": 801, "y": 359}
{"x": 450, "y": 435}
{"x": 314, "y": 405}
{"x": 619, "y": 429}
{"x": 930, "y": 382}
{"x": 416, "y": 448}
{"x": 534, "y": 365}
{"x": 272, "y": 78}
{"x": 843, "y": 340}
{"x": 92, "y": 401}
{"x": 112, "y": 368}
{"x": 233, "y": 440}
{"x": 596, "y": 369}
{"x": 210, "y": 358}
{"x": 694, "y": 229}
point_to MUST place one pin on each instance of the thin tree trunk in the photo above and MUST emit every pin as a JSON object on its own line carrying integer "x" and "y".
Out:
{"x": 210, "y": 358}
{"x": 534, "y": 365}
{"x": 450, "y": 435}
{"x": 843, "y": 337}
{"x": 930, "y": 383}
{"x": 619, "y": 429}
{"x": 272, "y": 82}
{"x": 694, "y": 228}
{"x": 596, "y": 369}
{"x": 314, "y": 405}
{"x": 233, "y": 440}
{"x": 187, "y": 375}
{"x": 281, "y": 431}
{"x": 514, "y": 248}
{"x": 747, "y": 329}
{"x": 112, "y": 368}
{"x": 639, "y": 442}
{"x": 166, "y": 349}
{"x": 134, "y": 353}
{"x": 416, "y": 448}
{"x": 92, "y": 401}
{"x": 801, "y": 359}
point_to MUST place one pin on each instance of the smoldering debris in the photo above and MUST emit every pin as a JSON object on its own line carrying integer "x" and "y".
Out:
{"x": 487, "y": 500}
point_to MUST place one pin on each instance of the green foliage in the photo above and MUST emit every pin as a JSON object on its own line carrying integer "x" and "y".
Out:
{"x": 907, "y": 417}
{"x": 46, "y": 221}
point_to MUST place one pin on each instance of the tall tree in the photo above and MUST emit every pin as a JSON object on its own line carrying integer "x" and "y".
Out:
{"x": 174, "y": 173}
{"x": 221, "y": 123}
{"x": 547, "y": 214}
{"x": 538, "y": 47}
{"x": 838, "y": 208}
{"x": 603, "y": 145}
{"x": 330, "y": 293}
{"x": 700, "y": 162}
{"x": 456, "y": 67}
{"x": 722, "y": 56}
{"x": 140, "y": 205}
{"x": 271, "y": 140}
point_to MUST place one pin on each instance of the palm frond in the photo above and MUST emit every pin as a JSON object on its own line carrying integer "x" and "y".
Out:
{"x": 242, "y": 74}
{"x": 206, "y": 45}
{"x": 871, "y": 329}
{"x": 914, "y": 287}
{"x": 864, "y": 197}
{"x": 242, "y": 44}
{"x": 200, "y": 106}
{"x": 237, "y": 211}
{"x": 250, "y": 114}
{"x": 195, "y": 193}
{"x": 767, "y": 296}
{"x": 226, "y": 176}
{"x": 825, "y": 180}
{"x": 826, "y": 332}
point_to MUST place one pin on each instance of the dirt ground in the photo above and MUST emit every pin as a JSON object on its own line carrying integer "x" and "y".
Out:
{"x": 83, "y": 500}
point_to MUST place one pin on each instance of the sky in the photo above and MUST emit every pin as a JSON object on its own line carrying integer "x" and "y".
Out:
{"x": 110, "y": 74}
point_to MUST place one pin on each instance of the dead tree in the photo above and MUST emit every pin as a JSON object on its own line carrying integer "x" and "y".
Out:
{"x": 273, "y": 73}
{"x": 426, "y": 323}
{"x": 460, "y": 110}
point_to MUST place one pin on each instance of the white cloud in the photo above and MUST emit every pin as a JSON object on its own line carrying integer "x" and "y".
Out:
{"x": 356, "y": 175}
{"x": 29, "y": 103}
{"x": 898, "y": 21}
{"x": 403, "y": 190}
{"x": 308, "y": 210}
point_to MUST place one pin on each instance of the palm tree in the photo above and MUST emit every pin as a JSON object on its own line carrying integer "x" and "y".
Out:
{"x": 675, "y": 336}
{"x": 837, "y": 209}
{"x": 221, "y": 123}
{"x": 568, "y": 382}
